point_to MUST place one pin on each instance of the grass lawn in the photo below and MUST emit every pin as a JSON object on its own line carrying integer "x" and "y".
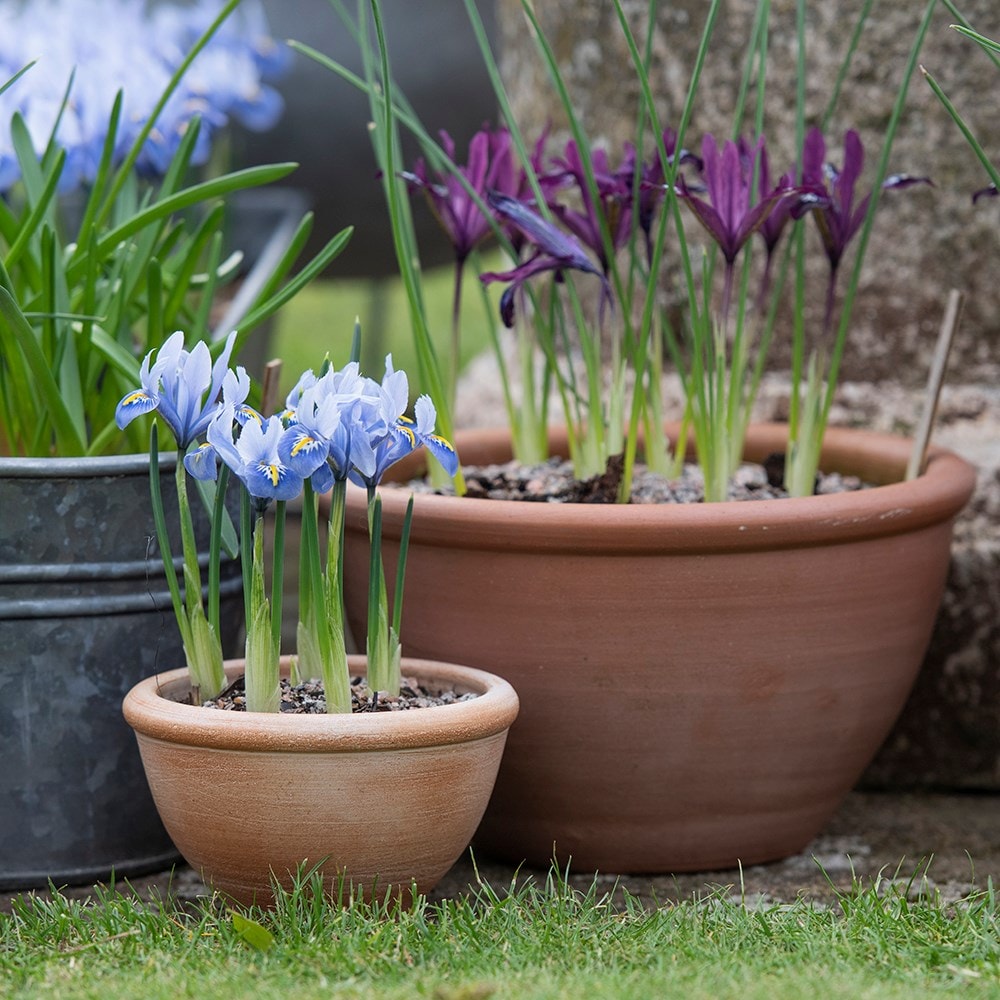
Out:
{"x": 530, "y": 940}
{"x": 320, "y": 320}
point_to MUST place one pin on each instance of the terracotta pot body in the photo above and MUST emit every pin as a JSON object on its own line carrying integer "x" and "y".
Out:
{"x": 700, "y": 684}
{"x": 379, "y": 801}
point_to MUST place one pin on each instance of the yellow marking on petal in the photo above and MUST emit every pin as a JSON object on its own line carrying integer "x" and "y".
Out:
{"x": 303, "y": 444}
{"x": 404, "y": 419}
{"x": 251, "y": 414}
{"x": 271, "y": 471}
{"x": 411, "y": 437}
{"x": 444, "y": 442}
{"x": 135, "y": 397}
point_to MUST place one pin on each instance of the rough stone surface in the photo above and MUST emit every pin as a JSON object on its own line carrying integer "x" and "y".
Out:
{"x": 926, "y": 242}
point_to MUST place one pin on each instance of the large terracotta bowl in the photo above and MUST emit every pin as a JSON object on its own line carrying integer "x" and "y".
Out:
{"x": 382, "y": 802}
{"x": 701, "y": 685}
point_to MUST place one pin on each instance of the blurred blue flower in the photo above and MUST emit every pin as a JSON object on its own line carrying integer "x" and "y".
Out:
{"x": 96, "y": 48}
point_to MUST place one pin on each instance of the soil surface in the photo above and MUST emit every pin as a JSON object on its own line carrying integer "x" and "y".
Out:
{"x": 949, "y": 844}
{"x": 309, "y": 698}
{"x": 553, "y": 482}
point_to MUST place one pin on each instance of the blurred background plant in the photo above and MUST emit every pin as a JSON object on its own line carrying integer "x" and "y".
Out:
{"x": 113, "y": 222}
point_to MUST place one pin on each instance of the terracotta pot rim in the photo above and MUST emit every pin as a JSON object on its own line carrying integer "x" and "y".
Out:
{"x": 935, "y": 496}
{"x": 149, "y": 710}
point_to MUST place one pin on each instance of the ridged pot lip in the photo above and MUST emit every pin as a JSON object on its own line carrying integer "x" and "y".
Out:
{"x": 149, "y": 710}
{"x": 897, "y": 507}
{"x": 82, "y": 467}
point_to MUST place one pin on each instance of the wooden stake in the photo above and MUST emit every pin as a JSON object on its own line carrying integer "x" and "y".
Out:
{"x": 949, "y": 326}
{"x": 269, "y": 386}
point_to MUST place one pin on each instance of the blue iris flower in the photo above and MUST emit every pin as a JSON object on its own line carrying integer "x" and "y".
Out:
{"x": 251, "y": 452}
{"x": 182, "y": 386}
{"x": 387, "y": 434}
{"x": 326, "y": 425}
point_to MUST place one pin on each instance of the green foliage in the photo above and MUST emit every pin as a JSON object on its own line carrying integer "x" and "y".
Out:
{"x": 536, "y": 937}
{"x": 90, "y": 284}
{"x": 991, "y": 49}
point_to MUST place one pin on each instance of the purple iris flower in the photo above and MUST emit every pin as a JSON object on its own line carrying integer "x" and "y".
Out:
{"x": 839, "y": 218}
{"x": 490, "y": 166}
{"x": 524, "y": 192}
{"x": 615, "y": 196}
{"x": 652, "y": 180}
{"x": 729, "y": 213}
{"x": 556, "y": 251}
{"x": 183, "y": 386}
{"x": 774, "y": 225}
{"x": 799, "y": 200}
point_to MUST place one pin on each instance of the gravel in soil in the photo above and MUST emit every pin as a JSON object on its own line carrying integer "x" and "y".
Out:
{"x": 553, "y": 482}
{"x": 309, "y": 698}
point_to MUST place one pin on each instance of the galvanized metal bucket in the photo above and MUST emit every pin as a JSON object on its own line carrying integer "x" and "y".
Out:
{"x": 85, "y": 613}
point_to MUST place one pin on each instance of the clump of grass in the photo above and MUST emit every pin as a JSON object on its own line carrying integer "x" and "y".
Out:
{"x": 531, "y": 938}
{"x": 321, "y": 319}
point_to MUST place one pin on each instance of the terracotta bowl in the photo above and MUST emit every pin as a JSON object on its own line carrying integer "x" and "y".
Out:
{"x": 701, "y": 684}
{"x": 382, "y": 802}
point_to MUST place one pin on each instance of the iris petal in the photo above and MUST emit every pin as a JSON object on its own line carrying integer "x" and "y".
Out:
{"x": 443, "y": 451}
{"x": 301, "y": 451}
{"x": 134, "y": 405}
{"x": 202, "y": 463}
{"x": 322, "y": 479}
{"x": 272, "y": 481}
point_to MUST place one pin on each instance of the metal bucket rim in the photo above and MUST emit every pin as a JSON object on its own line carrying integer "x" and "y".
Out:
{"x": 82, "y": 466}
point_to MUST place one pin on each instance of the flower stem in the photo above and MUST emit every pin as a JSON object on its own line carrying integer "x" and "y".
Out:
{"x": 262, "y": 673}
{"x": 456, "y": 334}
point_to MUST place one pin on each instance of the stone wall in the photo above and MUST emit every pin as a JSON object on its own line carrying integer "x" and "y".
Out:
{"x": 926, "y": 241}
